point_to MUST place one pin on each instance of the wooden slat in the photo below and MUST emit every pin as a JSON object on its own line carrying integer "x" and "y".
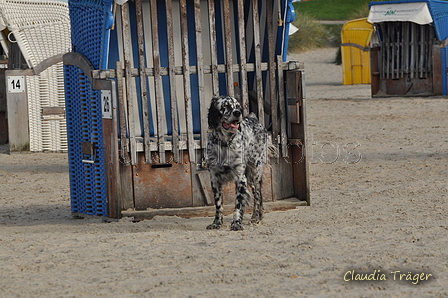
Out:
{"x": 143, "y": 85}
{"x": 124, "y": 141}
{"x": 297, "y": 121}
{"x": 203, "y": 182}
{"x": 388, "y": 53}
{"x": 172, "y": 76}
{"x": 130, "y": 91}
{"x": 158, "y": 89}
{"x": 213, "y": 49}
{"x": 404, "y": 50}
{"x": 228, "y": 47}
{"x": 17, "y": 115}
{"x": 115, "y": 165}
{"x": 178, "y": 70}
{"x": 244, "y": 92}
{"x": 282, "y": 116}
{"x": 422, "y": 51}
{"x": 407, "y": 45}
{"x": 412, "y": 43}
{"x": 186, "y": 80}
{"x": 257, "y": 49}
{"x": 383, "y": 52}
{"x": 199, "y": 65}
{"x": 272, "y": 68}
{"x": 430, "y": 50}
{"x": 398, "y": 51}
{"x": 209, "y": 211}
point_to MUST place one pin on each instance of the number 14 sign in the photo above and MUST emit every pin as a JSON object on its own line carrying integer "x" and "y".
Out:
{"x": 16, "y": 84}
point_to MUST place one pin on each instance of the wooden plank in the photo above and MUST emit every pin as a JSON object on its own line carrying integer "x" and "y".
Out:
{"x": 110, "y": 141}
{"x": 158, "y": 89}
{"x": 130, "y": 91}
{"x": 213, "y": 48}
{"x": 383, "y": 52}
{"x": 375, "y": 71}
{"x": 398, "y": 51}
{"x": 405, "y": 47}
{"x": 209, "y": 211}
{"x": 17, "y": 115}
{"x": 143, "y": 85}
{"x": 431, "y": 53}
{"x": 124, "y": 141}
{"x": 118, "y": 196}
{"x": 228, "y": 48}
{"x": 199, "y": 65}
{"x": 298, "y": 131}
{"x": 388, "y": 51}
{"x": 258, "y": 73}
{"x": 127, "y": 187}
{"x": 172, "y": 77}
{"x": 394, "y": 51}
{"x": 272, "y": 74}
{"x": 186, "y": 80}
{"x": 429, "y": 47}
{"x": 436, "y": 73}
{"x": 202, "y": 179}
{"x": 412, "y": 44}
{"x": 244, "y": 90}
{"x": 403, "y": 51}
{"x": 282, "y": 116}
{"x": 422, "y": 51}
{"x": 282, "y": 183}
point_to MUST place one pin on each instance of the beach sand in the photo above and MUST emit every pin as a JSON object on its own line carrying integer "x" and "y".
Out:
{"x": 378, "y": 171}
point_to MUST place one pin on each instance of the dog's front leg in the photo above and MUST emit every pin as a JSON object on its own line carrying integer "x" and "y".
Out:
{"x": 217, "y": 193}
{"x": 242, "y": 199}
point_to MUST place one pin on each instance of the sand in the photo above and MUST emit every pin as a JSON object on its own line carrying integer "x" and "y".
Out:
{"x": 378, "y": 171}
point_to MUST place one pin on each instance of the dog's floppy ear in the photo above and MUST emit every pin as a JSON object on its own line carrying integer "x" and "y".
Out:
{"x": 213, "y": 114}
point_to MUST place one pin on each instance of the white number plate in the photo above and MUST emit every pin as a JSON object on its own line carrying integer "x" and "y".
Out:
{"x": 106, "y": 104}
{"x": 16, "y": 84}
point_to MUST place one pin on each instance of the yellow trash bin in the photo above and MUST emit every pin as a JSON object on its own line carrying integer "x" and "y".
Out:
{"x": 355, "y": 36}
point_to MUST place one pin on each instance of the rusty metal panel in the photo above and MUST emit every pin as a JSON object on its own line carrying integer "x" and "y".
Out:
{"x": 162, "y": 185}
{"x": 407, "y": 87}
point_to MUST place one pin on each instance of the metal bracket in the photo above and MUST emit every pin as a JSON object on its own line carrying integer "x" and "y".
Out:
{"x": 88, "y": 148}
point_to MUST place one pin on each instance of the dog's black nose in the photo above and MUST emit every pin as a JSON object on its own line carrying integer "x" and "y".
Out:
{"x": 236, "y": 113}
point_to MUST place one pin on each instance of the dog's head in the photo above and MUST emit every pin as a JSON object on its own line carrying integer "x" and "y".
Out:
{"x": 225, "y": 114}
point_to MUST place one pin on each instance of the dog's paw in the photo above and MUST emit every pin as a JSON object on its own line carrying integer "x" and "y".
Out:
{"x": 256, "y": 217}
{"x": 255, "y": 220}
{"x": 214, "y": 226}
{"x": 236, "y": 226}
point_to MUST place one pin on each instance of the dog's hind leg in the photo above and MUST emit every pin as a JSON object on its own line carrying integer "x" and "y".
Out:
{"x": 257, "y": 215}
{"x": 217, "y": 193}
{"x": 242, "y": 199}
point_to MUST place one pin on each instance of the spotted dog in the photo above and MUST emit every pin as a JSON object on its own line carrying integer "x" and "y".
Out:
{"x": 236, "y": 151}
